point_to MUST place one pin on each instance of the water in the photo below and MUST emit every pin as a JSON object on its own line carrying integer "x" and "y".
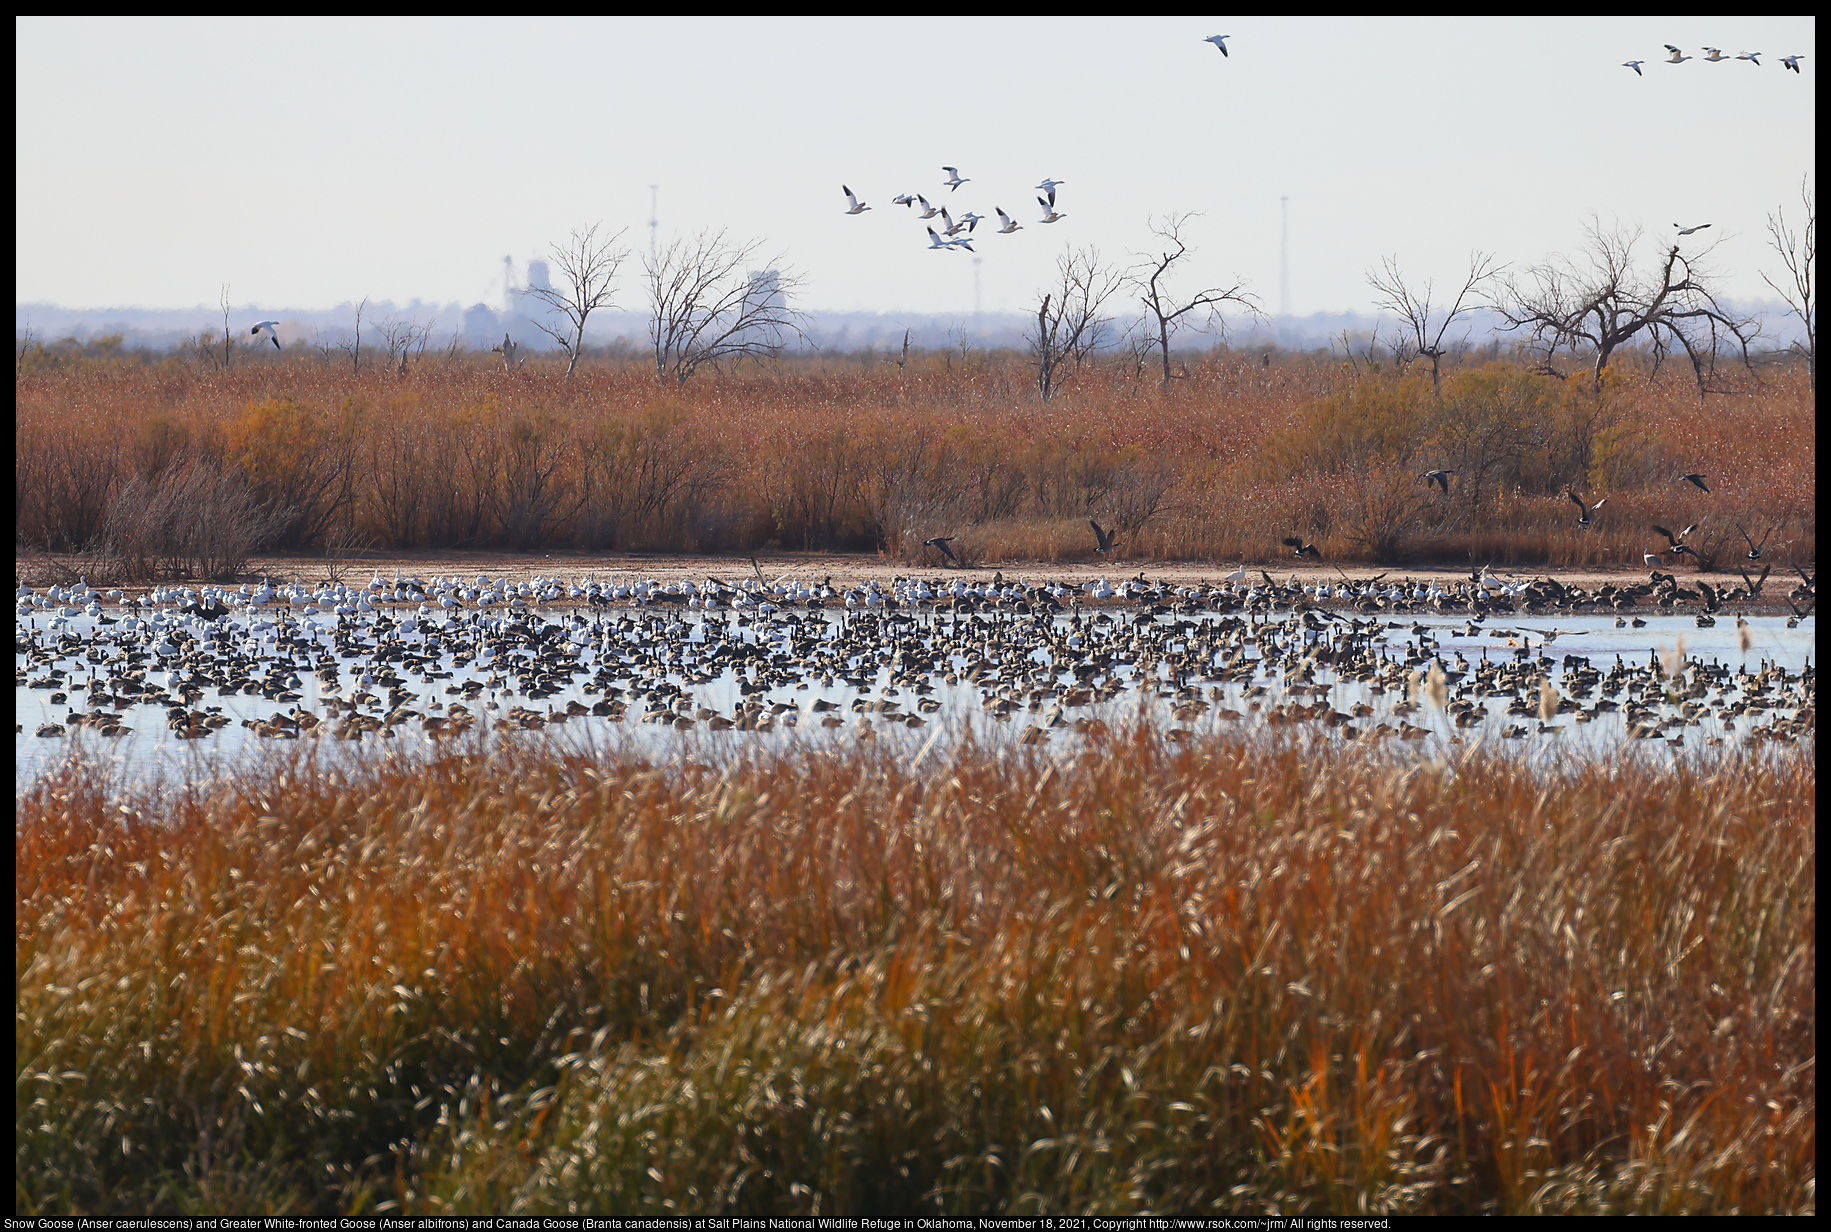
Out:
{"x": 1009, "y": 677}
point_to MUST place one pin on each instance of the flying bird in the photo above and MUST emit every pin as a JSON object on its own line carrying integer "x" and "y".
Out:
{"x": 1585, "y": 510}
{"x": 1010, "y": 224}
{"x": 954, "y": 181}
{"x": 1754, "y": 549}
{"x": 1677, "y": 541}
{"x": 903, "y": 199}
{"x": 1302, "y": 549}
{"x": 267, "y": 327}
{"x": 1440, "y": 478}
{"x": 1677, "y": 56}
{"x": 1101, "y": 537}
{"x": 1792, "y": 62}
{"x": 928, "y": 211}
{"x": 1716, "y": 54}
{"x": 971, "y": 220}
{"x": 1753, "y": 57}
{"x": 1691, "y": 230}
{"x": 941, "y": 541}
{"x": 1694, "y": 477}
{"x": 1219, "y": 40}
{"x": 1635, "y": 65}
{"x": 858, "y": 207}
{"x": 948, "y": 225}
{"x": 935, "y": 241}
{"x": 1049, "y": 214}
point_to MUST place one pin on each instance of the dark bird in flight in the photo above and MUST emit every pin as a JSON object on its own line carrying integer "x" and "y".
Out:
{"x": 941, "y": 541}
{"x": 1754, "y": 549}
{"x": 1440, "y": 478}
{"x": 1583, "y": 517}
{"x": 1302, "y": 549}
{"x": 1105, "y": 540}
{"x": 1694, "y": 477}
{"x": 1677, "y": 541}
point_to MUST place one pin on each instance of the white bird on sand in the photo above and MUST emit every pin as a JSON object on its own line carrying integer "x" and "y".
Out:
{"x": 1678, "y": 57}
{"x": 1219, "y": 40}
{"x": 266, "y": 327}
{"x": 1049, "y": 214}
{"x": 954, "y": 181}
{"x": 1635, "y": 65}
{"x": 1690, "y": 230}
{"x": 858, "y": 207}
{"x": 1010, "y": 224}
{"x": 928, "y": 211}
{"x": 1716, "y": 54}
{"x": 1753, "y": 57}
{"x": 1792, "y": 62}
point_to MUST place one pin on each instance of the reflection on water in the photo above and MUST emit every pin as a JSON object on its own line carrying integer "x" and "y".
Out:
{"x": 187, "y": 700}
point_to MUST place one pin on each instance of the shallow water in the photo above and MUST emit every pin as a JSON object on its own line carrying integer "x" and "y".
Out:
{"x": 1277, "y": 681}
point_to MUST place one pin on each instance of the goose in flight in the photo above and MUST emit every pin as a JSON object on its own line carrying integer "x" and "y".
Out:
{"x": 903, "y": 199}
{"x": 1792, "y": 62}
{"x": 1104, "y": 538}
{"x": 950, "y": 227}
{"x": 1677, "y": 541}
{"x": 935, "y": 241}
{"x": 1635, "y": 65}
{"x": 1694, "y": 477}
{"x": 1753, "y": 57}
{"x": 954, "y": 180}
{"x": 1440, "y": 478}
{"x": 1583, "y": 516}
{"x": 1010, "y": 224}
{"x": 1049, "y": 186}
{"x": 1219, "y": 40}
{"x": 858, "y": 207}
{"x": 1716, "y": 54}
{"x": 941, "y": 541}
{"x": 267, "y": 327}
{"x": 1691, "y": 230}
{"x": 1678, "y": 57}
{"x": 1049, "y": 214}
{"x": 1301, "y": 549}
{"x": 971, "y": 220}
{"x": 1754, "y": 549}
{"x": 928, "y": 211}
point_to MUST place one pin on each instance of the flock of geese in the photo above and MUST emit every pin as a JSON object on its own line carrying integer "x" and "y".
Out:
{"x": 958, "y": 233}
{"x": 1714, "y": 55}
{"x": 354, "y": 662}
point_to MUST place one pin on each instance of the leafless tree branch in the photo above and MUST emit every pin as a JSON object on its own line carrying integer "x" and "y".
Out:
{"x": 1167, "y": 311}
{"x": 707, "y": 307}
{"x": 587, "y": 273}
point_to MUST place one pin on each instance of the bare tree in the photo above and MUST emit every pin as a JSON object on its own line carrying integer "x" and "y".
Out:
{"x": 228, "y": 334}
{"x": 1166, "y": 311}
{"x": 353, "y": 348}
{"x": 707, "y": 307}
{"x": 1601, "y": 300}
{"x": 1069, "y": 327}
{"x": 1797, "y": 252}
{"x": 586, "y": 269}
{"x": 1414, "y": 308}
{"x": 399, "y": 337}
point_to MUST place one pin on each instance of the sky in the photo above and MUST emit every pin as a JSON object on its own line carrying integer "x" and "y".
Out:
{"x": 308, "y": 162}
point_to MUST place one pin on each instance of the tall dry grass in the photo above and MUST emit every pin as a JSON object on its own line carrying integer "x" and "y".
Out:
{"x": 842, "y": 454}
{"x": 1214, "y": 976}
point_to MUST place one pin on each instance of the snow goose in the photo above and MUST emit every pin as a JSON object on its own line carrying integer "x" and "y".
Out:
{"x": 1049, "y": 214}
{"x": 1635, "y": 65}
{"x": 1010, "y": 224}
{"x": 1753, "y": 57}
{"x": 1716, "y": 54}
{"x": 1678, "y": 57}
{"x": 954, "y": 179}
{"x": 1219, "y": 40}
{"x": 858, "y": 207}
{"x": 1792, "y": 62}
{"x": 267, "y": 327}
{"x": 1683, "y": 231}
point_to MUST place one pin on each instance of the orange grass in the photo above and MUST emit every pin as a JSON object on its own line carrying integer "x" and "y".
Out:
{"x": 832, "y": 453}
{"x": 1208, "y": 977}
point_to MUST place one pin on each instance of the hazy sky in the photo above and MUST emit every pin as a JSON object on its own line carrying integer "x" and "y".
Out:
{"x": 311, "y": 161}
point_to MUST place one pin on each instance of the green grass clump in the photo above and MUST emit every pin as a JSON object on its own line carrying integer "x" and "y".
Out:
{"x": 1211, "y": 976}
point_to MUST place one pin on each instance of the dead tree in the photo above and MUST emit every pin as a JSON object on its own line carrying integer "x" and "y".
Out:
{"x": 586, "y": 269}
{"x": 1165, "y": 311}
{"x": 1797, "y": 252}
{"x": 1069, "y": 325}
{"x": 228, "y": 334}
{"x": 705, "y": 307}
{"x": 1602, "y": 301}
{"x": 353, "y": 348}
{"x": 1414, "y": 307}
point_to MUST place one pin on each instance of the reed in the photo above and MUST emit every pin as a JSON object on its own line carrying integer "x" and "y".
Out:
{"x": 1131, "y": 975}
{"x": 836, "y": 454}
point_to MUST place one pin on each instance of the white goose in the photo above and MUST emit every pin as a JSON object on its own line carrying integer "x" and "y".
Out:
{"x": 1010, "y": 224}
{"x": 1049, "y": 214}
{"x": 267, "y": 327}
{"x": 858, "y": 207}
{"x": 1678, "y": 57}
{"x": 954, "y": 180}
{"x": 1219, "y": 40}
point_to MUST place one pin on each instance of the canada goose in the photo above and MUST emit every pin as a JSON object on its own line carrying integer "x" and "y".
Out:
{"x": 953, "y": 180}
{"x": 1694, "y": 477}
{"x": 1104, "y": 539}
{"x": 1440, "y": 478}
{"x": 267, "y": 327}
{"x": 1677, "y": 541}
{"x": 1586, "y": 510}
{"x": 1754, "y": 549}
{"x": 1302, "y": 549}
{"x": 941, "y": 541}
{"x": 1635, "y": 65}
{"x": 1010, "y": 224}
{"x": 858, "y": 207}
{"x": 1219, "y": 40}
